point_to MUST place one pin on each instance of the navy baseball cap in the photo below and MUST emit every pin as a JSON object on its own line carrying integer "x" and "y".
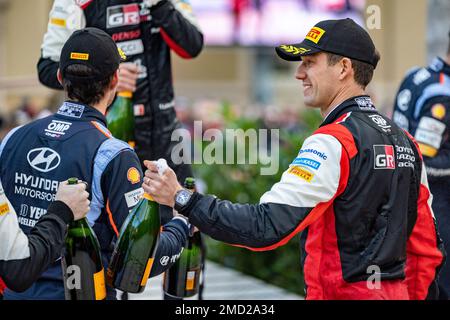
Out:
{"x": 94, "y": 48}
{"x": 343, "y": 37}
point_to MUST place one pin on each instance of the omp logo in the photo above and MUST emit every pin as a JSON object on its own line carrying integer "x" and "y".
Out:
{"x": 122, "y": 15}
{"x": 57, "y": 128}
{"x": 384, "y": 157}
{"x": 43, "y": 159}
{"x": 315, "y": 34}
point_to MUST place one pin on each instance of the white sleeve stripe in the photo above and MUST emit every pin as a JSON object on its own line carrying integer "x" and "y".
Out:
{"x": 65, "y": 17}
{"x": 13, "y": 242}
{"x": 320, "y": 186}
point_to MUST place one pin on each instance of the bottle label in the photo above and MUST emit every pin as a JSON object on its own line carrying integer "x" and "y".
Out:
{"x": 148, "y": 197}
{"x": 190, "y": 279}
{"x": 147, "y": 272}
{"x": 99, "y": 285}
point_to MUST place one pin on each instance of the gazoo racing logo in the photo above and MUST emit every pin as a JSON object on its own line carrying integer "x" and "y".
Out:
{"x": 122, "y": 15}
{"x": 384, "y": 157}
{"x": 43, "y": 159}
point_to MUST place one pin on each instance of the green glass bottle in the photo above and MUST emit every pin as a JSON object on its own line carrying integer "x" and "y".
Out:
{"x": 182, "y": 279}
{"x": 120, "y": 118}
{"x": 84, "y": 277}
{"x": 132, "y": 259}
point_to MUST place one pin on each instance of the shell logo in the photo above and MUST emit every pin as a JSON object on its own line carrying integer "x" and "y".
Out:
{"x": 133, "y": 175}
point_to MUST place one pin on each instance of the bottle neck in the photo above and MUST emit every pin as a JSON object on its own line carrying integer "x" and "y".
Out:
{"x": 148, "y": 197}
{"x": 80, "y": 223}
{"x": 125, "y": 94}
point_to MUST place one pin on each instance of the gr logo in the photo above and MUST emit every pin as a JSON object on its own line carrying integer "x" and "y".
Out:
{"x": 122, "y": 15}
{"x": 384, "y": 157}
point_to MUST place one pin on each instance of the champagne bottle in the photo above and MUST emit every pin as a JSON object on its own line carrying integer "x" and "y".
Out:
{"x": 133, "y": 255}
{"x": 182, "y": 279}
{"x": 84, "y": 277}
{"x": 120, "y": 118}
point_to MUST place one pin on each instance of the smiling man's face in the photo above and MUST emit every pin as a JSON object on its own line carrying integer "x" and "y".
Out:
{"x": 320, "y": 80}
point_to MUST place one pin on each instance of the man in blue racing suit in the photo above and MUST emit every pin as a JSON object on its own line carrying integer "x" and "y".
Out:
{"x": 422, "y": 107}
{"x": 75, "y": 142}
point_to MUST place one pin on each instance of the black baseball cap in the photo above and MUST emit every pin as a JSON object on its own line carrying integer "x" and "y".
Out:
{"x": 94, "y": 48}
{"x": 343, "y": 37}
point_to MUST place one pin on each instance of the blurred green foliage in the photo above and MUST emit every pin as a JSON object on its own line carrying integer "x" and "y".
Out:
{"x": 244, "y": 184}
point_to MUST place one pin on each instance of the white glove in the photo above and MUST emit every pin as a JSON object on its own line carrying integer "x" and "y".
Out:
{"x": 162, "y": 166}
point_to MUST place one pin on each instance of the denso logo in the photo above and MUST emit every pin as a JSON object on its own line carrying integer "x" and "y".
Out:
{"x": 122, "y": 15}
{"x": 384, "y": 157}
{"x": 43, "y": 159}
{"x": 128, "y": 35}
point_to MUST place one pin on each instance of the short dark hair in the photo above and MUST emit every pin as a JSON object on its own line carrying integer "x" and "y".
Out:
{"x": 363, "y": 71}
{"x": 87, "y": 92}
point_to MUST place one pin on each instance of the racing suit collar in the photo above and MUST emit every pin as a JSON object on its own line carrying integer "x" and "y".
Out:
{"x": 358, "y": 103}
{"x": 76, "y": 110}
{"x": 440, "y": 65}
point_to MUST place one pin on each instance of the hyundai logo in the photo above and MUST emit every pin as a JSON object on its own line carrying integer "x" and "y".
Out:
{"x": 43, "y": 159}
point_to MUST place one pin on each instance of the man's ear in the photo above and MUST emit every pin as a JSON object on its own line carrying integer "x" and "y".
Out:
{"x": 59, "y": 76}
{"x": 115, "y": 79}
{"x": 346, "y": 68}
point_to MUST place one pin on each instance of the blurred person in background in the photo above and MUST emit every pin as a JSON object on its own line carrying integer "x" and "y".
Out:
{"x": 357, "y": 154}
{"x": 146, "y": 31}
{"x": 23, "y": 257}
{"x": 422, "y": 107}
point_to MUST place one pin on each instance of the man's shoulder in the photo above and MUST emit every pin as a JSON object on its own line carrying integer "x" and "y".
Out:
{"x": 110, "y": 149}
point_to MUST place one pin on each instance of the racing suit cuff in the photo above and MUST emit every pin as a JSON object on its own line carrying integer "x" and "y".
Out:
{"x": 186, "y": 210}
{"x": 181, "y": 222}
{"x": 61, "y": 210}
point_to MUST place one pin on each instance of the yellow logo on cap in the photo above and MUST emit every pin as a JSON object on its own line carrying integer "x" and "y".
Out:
{"x": 294, "y": 50}
{"x": 315, "y": 34}
{"x": 122, "y": 54}
{"x": 438, "y": 111}
{"x": 79, "y": 56}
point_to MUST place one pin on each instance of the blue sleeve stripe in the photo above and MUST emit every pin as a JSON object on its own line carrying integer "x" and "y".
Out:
{"x": 108, "y": 150}
{"x": 5, "y": 140}
{"x": 435, "y": 90}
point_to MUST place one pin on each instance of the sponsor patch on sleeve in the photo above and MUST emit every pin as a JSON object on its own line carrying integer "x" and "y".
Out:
{"x": 58, "y": 22}
{"x": 4, "y": 209}
{"x": 307, "y": 162}
{"x": 428, "y": 137}
{"x": 301, "y": 173}
{"x": 133, "y": 197}
{"x": 133, "y": 175}
{"x": 432, "y": 125}
{"x": 438, "y": 111}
